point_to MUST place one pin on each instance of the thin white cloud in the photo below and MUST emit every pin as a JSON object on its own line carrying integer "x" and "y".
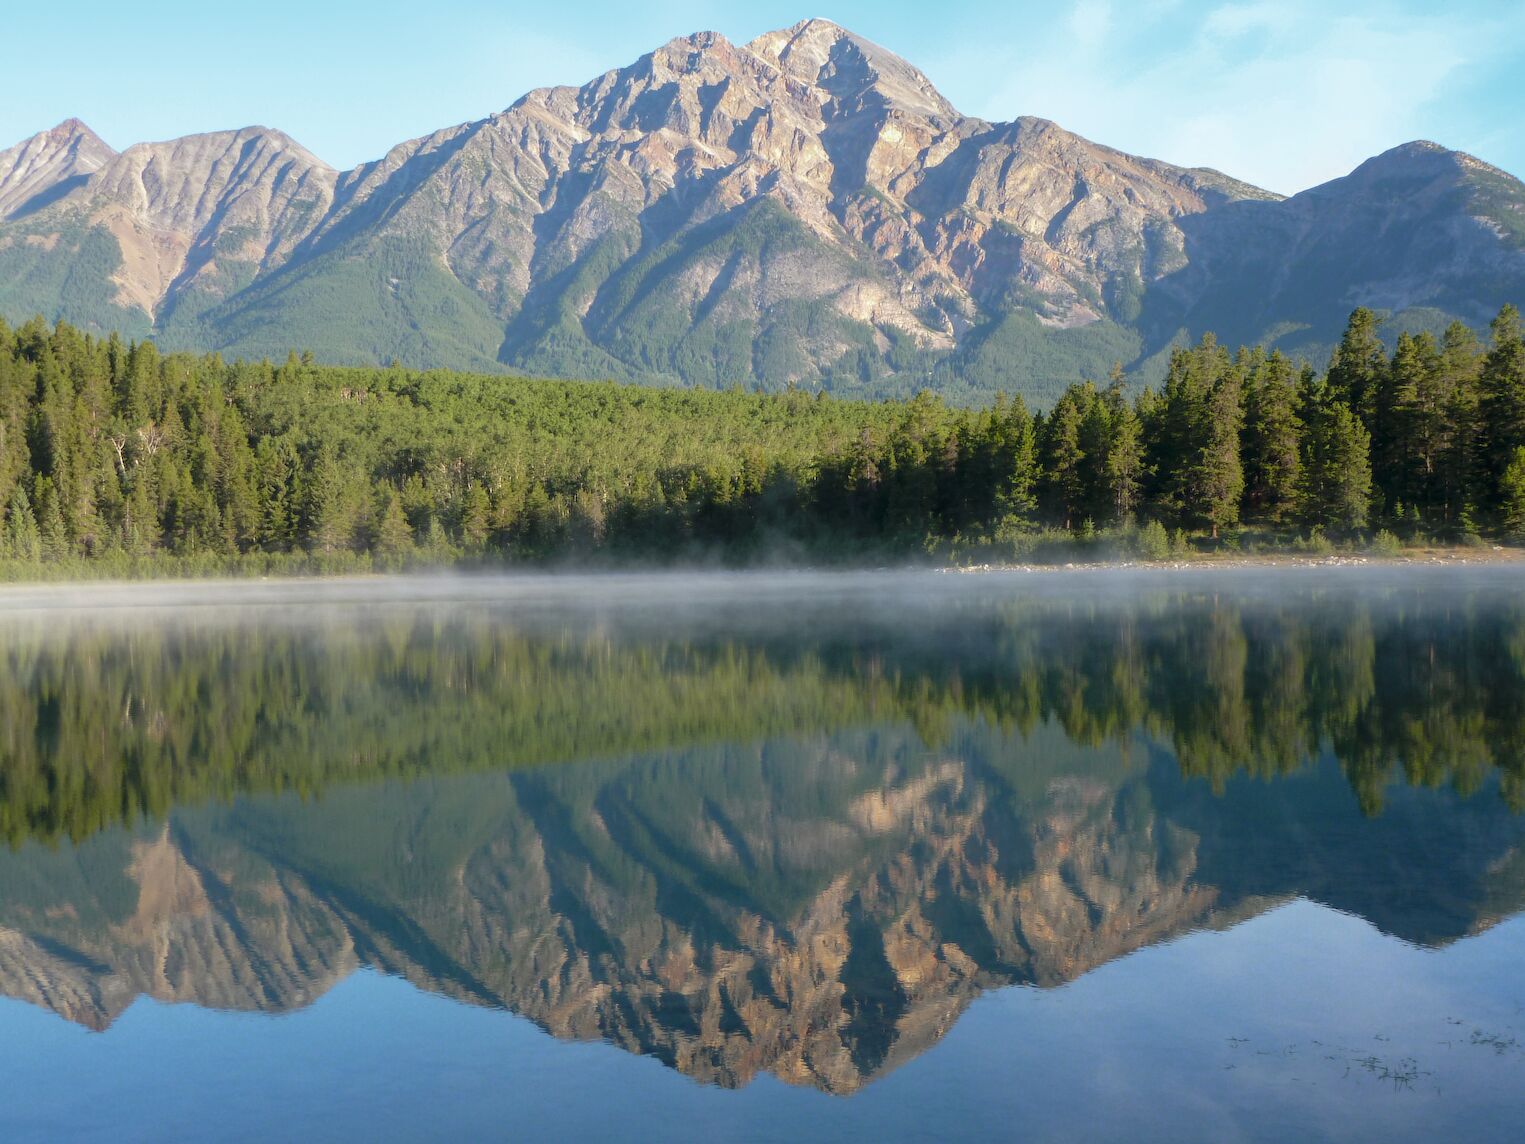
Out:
{"x": 1090, "y": 22}
{"x": 1286, "y": 94}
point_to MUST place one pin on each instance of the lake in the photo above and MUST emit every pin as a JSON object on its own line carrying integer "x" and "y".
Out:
{"x": 1081, "y": 855}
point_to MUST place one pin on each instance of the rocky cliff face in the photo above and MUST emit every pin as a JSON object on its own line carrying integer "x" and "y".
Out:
{"x": 1417, "y": 228}
{"x": 206, "y": 214}
{"x": 805, "y": 208}
{"x": 49, "y": 165}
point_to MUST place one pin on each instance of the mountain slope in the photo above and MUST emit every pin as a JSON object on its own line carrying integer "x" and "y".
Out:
{"x": 1419, "y": 231}
{"x": 805, "y": 208}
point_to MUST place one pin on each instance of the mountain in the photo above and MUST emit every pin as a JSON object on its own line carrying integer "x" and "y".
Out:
{"x": 48, "y": 166}
{"x": 804, "y": 208}
{"x": 1418, "y": 231}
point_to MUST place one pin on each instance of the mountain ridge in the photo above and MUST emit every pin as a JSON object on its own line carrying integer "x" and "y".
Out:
{"x": 805, "y": 208}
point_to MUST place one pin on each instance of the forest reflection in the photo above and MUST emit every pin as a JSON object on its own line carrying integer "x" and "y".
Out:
{"x": 108, "y": 718}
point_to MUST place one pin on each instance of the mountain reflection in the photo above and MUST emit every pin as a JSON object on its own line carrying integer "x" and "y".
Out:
{"x": 787, "y": 839}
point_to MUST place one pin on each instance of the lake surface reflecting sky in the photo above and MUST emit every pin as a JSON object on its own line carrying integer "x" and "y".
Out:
{"x": 1094, "y": 855}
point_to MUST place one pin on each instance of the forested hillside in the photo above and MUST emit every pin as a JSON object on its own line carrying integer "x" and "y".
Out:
{"x": 116, "y": 456}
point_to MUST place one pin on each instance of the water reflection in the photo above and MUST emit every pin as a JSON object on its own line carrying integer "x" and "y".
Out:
{"x": 743, "y": 836}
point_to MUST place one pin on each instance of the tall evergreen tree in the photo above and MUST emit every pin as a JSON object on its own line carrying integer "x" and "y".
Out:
{"x": 1063, "y": 462}
{"x": 1358, "y": 368}
{"x": 1502, "y": 397}
{"x": 1217, "y": 480}
{"x": 1272, "y": 436}
{"x": 23, "y": 540}
{"x": 1336, "y": 467}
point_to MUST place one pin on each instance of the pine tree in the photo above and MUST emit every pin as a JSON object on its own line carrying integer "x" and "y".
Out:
{"x": 329, "y": 518}
{"x": 1421, "y": 419}
{"x": 1358, "y": 368}
{"x": 1218, "y": 476}
{"x": 1502, "y": 398}
{"x": 1272, "y": 439}
{"x": 1018, "y": 480}
{"x": 1459, "y": 465}
{"x": 23, "y": 541}
{"x": 476, "y": 510}
{"x": 1512, "y": 495}
{"x": 1125, "y": 459}
{"x": 394, "y": 539}
{"x": 50, "y": 520}
{"x": 1063, "y": 476}
{"x": 237, "y": 491}
{"x": 278, "y": 471}
{"x": 1336, "y": 468}
{"x": 1398, "y": 423}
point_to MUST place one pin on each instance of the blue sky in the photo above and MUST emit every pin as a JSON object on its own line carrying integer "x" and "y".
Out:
{"x": 1285, "y": 93}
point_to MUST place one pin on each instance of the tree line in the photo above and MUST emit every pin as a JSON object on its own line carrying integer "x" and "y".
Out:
{"x": 113, "y": 454}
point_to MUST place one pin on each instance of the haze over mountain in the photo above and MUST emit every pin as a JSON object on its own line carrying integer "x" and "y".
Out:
{"x": 804, "y": 208}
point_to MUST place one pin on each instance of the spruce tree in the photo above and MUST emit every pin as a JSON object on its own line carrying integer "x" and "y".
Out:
{"x": 1063, "y": 474}
{"x": 1217, "y": 480}
{"x": 1336, "y": 469}
{"x": 1512, "y": 496}
{"x": 1272, "y": 439}
{"x": 393, "y": 540}
{"x": 1125, "y": 459}
{"x": 1018, "y": 444}
{"x": 1502, "y": 398}
{"x": 23, "y": 541}
{"x": 1358, "y": 368}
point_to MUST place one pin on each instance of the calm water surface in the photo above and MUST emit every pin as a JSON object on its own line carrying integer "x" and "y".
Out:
{"x": 1091, "y": 856}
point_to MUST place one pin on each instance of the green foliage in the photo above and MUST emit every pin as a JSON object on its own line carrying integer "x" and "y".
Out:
{"x": 1512, "y": 496}
{"x": 1336, "y": 468}
{"x": 1152, "y": 542}
{"x": 1016, "y": 353}
{"x": 65, "y": 271}
{"x": 112, "y": 454}
{"x": 119, "y": 721}
{"x": 389, "y": 301}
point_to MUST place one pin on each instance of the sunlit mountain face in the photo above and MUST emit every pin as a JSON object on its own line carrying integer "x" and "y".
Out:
{"x": 804, "y": 209}
{"x": 789, "y": 825}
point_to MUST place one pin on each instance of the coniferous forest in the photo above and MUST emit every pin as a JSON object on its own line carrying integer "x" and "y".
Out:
{"x": 115, "y": 457}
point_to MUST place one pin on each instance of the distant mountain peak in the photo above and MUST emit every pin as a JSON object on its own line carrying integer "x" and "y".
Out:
{"x": 72, "y": 128}
{"x": 263, "y": 138}
{"x": 827, "y": 55}
{"x": 39, "y": 170}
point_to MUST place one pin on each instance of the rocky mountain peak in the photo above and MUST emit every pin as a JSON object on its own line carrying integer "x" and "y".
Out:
{"x": 187, "y": 210}
{"x": 38, "y": 170}
{"x": 75, "y": 132}
{"x": 849, "y": 67}
{"x": 1419, "y": 159}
